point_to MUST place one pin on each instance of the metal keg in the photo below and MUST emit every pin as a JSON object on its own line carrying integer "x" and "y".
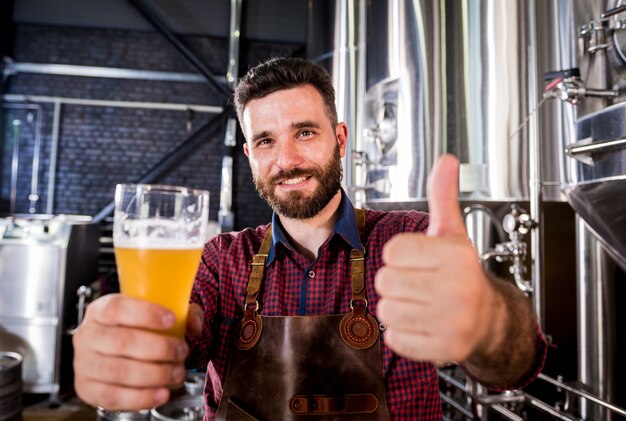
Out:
{"x": 10, "y": 386}
{"x": 106, "y": 415}
{"x": 190, "y": 408}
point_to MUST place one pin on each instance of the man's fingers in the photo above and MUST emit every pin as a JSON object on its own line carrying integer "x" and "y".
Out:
{"x": 408, "y": 316}
{"x": 443, "y": 199}
{"x": 131, "y": 343}
{"x": 402, "y": 284}
{"x": 116, "y": 309}
{"x": 130, "y": 373}
{"x": 421, "y": 347}
{"x": 416, "y": 251}
{"x": 115, "y": 397}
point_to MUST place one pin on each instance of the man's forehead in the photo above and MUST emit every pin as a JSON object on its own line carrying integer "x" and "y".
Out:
{"x": 286, "y": 108}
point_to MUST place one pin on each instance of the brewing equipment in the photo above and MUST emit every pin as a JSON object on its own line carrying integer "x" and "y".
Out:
{"x": 528, "y": 94}
{"x": 184, "y": 408}
{"x": 10, "y": 386}
{"x": 43, "y": 261}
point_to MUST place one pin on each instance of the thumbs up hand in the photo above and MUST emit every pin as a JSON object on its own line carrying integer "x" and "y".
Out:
{"x": 436, "y": 300}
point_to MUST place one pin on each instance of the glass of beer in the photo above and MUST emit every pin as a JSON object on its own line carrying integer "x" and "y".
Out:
{"x": 158, "y": 236}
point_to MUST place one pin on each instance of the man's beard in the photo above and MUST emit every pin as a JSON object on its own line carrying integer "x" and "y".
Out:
{"x": 295, "y": 204}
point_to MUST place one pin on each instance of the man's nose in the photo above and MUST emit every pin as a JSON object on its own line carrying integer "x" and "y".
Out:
{"x": 289, "y": 155}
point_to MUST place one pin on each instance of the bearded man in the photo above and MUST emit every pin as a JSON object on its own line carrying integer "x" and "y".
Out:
{"x": 329, "y": 311}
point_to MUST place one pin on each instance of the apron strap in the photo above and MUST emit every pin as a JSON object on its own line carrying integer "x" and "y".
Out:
{"x": 258, "y": 270}
{"x": 357, "y": 263}
{"x": 358, "y": 329}
{"x": 251, "y": 325}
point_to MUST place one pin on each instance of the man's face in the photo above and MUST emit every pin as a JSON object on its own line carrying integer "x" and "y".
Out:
{"x": 294, "y": 151}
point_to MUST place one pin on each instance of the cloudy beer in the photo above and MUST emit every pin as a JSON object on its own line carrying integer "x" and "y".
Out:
{"x": 158, "y": 235}
{"x": 161, "y": 276}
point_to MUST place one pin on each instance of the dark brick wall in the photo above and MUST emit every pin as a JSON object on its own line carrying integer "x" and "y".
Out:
{"x": 102, "y": 146}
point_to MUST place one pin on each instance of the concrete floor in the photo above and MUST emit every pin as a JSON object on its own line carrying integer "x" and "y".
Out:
{"x": 72, "y": 409}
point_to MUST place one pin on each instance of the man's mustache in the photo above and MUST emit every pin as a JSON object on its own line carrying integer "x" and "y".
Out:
{"x": 293, "y": 173}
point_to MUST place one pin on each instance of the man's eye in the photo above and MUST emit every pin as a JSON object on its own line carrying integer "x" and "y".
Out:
{"x": 305, "y": 133}
{"x": 264, "y": 142}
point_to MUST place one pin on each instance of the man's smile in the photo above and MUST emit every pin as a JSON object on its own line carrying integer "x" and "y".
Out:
{"x": 294, "y": 181}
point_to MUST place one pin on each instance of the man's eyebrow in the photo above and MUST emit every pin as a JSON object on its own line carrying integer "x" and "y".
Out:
{"x": 261, "y": 135}
{"x": 305, "y": 124}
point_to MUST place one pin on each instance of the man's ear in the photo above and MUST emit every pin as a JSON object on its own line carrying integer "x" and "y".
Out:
{"x": 245, "y": 149}
{"x": 341, "y": 132}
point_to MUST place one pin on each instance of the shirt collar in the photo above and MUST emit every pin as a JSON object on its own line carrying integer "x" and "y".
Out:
{"x": 345, "y": 227}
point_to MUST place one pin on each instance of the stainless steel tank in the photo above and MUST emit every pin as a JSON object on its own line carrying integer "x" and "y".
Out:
{"x": 466, "y": 77}
{"x": 43, "y": 261}
{"x": 598, "y": 155}
{"x": 457, "y": 77}
{"x": 595, "y": 187}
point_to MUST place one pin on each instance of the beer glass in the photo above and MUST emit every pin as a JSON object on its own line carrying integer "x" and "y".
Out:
{"x": 158, "y": 236}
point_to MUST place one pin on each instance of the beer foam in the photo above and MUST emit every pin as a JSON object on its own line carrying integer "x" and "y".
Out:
{"x": 156, "y": 233}
{"x": 147, "y": 244}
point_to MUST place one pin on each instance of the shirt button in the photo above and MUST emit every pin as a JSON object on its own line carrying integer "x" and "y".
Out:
{"x": 311, "y": 274}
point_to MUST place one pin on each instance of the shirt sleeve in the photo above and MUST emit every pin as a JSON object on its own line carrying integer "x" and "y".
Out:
{"x": 205, "y": 293}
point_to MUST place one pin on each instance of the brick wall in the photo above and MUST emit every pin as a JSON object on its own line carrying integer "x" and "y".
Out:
{"x": 102, "y": 146}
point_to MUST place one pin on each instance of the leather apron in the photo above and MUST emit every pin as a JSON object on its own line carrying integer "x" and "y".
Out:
{"x": 306, "y": 367}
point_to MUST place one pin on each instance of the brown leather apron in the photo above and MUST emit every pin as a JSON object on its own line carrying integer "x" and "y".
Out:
{"x": 306, "y": 367}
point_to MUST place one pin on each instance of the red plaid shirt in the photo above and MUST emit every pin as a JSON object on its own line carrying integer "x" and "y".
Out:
{"x": 295, "y": 286}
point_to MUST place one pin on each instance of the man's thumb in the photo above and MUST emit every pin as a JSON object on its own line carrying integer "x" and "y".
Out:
{"x": 443, "y": 199}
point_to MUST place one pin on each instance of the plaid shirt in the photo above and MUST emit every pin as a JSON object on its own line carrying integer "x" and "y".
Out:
{"x": 295, "y": 286}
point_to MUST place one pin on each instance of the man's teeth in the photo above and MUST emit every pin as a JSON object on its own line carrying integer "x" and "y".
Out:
{"x": 294, "y": 180}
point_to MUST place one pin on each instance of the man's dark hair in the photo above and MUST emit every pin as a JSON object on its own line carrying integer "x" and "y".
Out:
{"x": 285, "y": 73}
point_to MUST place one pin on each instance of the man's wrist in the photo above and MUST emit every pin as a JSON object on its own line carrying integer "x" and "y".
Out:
{"x": 508, "y": 351}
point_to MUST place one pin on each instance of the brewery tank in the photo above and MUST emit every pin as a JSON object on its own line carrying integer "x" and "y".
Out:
{"x": 420, "y": 78}
{"x": 456, "y": 77}
{"x": 428, "y": 77}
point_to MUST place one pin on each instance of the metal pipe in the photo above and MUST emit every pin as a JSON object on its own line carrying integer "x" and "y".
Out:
{"x": 583, "y": 394}
{"x": 534, "y": 158}
{"x": 34, "y": 196}
{"x": 497, "y": 223}
{"x": 15, "y": 164}
{"x": 454, "y": 382}
{"x": 489, "y": 402}
{"x": 54, "y": 150}
{"x": 232, "y": 73}
{"x": 547, "y": 408}
{"x": 59, "y": 101}
{"x": 355, "y": 173}
{"x": 596, "y": 319}
{"x": 151, "y": 17}
{"x": 171, "y": 106}
{"x": 12, "y": 69}
{"x": 506, "y": 413}
{"x": 456, "y": 405}
{"x": 226, "y": 217}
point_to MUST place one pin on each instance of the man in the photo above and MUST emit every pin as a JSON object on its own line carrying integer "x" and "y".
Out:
{"x": 422, "y": 280}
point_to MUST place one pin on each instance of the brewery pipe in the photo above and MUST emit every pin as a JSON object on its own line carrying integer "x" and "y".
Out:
{"x": 58, "y": 103}
{"x": 33, "y": 197}
{"x": 534, "y": 159}
{"x": 226, "y": 217}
